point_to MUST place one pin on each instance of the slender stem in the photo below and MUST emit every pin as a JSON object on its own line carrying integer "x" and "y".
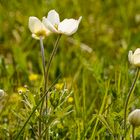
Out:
{"x": 47, "y": 76}
{"x": 51, "y": 57}
{"x": 128, "y": 97}
{"x": 133, "y": 133}
{"x": 43, "y": 55}
{"x": 49, "y": 63}
{"x": 44, "y": 78}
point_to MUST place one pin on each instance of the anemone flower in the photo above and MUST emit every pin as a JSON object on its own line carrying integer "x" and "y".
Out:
{"x": 67, "y": 26}
{"x": 37, "y": 28}
{"x": 134, "y": 58}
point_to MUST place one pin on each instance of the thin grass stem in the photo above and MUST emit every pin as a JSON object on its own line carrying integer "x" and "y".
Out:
{"x": 127, "y": 99}
{"x": 100, "y": 111}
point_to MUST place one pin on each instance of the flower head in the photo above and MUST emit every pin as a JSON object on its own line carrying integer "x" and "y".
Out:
{"x": 67, "y": 26}
{"x": 134, "y": 117}
{"x": 21, "y": 90}
{"x": 70, "y": 99}
{"x": 134, "y": 58}
{"x": 59, "y": 86}
{"x": 37, "y": 28}
{"x": 1, "y": 93}
{"x": 33, "y": 77}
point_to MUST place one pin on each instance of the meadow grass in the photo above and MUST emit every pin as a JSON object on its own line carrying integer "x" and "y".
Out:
{"x": 87, "y": 100}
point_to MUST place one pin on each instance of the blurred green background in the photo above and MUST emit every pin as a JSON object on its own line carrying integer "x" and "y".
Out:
{"x": 95, "y": 54}
{"x": 99, "y": 48}
{"x": 107, "y": 31}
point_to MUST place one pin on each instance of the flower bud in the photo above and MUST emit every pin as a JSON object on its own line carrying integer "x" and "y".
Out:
{"x": 134, "y": 58}
{"x": 1, "y": 93}
{"x": 134, "y": 118}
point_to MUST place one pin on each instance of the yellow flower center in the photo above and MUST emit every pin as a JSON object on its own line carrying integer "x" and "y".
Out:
{"x": 41, "y": 33}
{"x": 21, "y": 90}
{"x": 56, "y": 26}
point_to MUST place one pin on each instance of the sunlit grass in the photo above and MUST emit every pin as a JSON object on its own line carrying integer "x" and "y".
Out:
{"x": 87, "y": 101}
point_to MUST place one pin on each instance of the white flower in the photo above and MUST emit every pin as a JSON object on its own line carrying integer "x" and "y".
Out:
{"x": 134, "y": 58}
{"x": 134, "y": 117}
{"x": 1, "y": 93}
{"x": 67, "y": 26}
{"x": 37, "y": 28}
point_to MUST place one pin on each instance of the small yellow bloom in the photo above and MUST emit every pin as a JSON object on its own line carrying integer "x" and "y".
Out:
{"x": 70, "y": 99}
{"x": 59, "y": 86}
{"x": 21, "y": 89}
{"x": 33, "y": 77}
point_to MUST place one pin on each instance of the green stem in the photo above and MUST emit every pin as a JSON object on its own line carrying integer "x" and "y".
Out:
{"x": 133, "y": 133}
{"x": 44, "y": 75}
{"x": 43, "y": 57}
{"x": 47, "y": 76}
{"x": 84, "y": 99}
{"x": 128, "y": 97}
{"x": 34, "y": 109}
{"x": 49, "y": 64}
{"x": 51, "y": 57}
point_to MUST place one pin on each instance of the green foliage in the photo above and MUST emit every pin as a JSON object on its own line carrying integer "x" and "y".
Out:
{"x": 93, "y": 65}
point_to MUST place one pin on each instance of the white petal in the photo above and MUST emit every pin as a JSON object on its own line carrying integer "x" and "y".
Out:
{"x": 69, "y": 26}
{"x": 46, "y": 29}
{"x": 134, "y": 118}
{"x": 1, "y": 93}
{"x": 48, "y": 25}
{"x": 53, "y": 17}
{"x": 130, "y": 56}
{"x": 137, "y": 51}
{"x": 136, "y": 59}
{"x": 35, "y": 24}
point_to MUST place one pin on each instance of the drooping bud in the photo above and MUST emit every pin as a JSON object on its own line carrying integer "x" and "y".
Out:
{"x": 134, "y": 118}
{"x": 1, "y": 93}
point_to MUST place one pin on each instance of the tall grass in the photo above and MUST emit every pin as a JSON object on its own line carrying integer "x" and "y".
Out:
{"x": 92, "y": 64}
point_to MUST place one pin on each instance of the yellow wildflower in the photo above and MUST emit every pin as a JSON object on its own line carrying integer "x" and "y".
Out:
{"x": 70, "y": 99}
{"x": 33, "y": 77}
{"x": 21, "y": 89}
{"x": 59, "y": 86}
